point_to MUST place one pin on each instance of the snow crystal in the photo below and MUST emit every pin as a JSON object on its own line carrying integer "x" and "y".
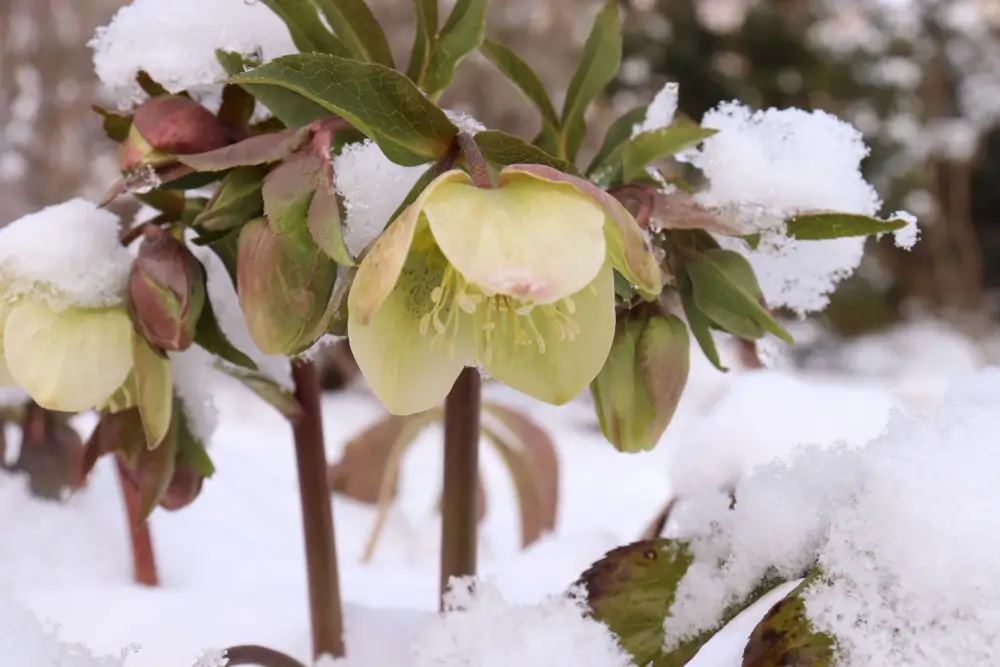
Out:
{"x": 212, "y": 658}
{"x": 25, "y": 642}
{"x": 482, "y": 628}
{"x": 69, "y": 253}
{"x": 373, "y": 187}
{"x": 910, "y": 574}
{"x": 661, "y": 110}
{"x": 464, "y": 121}
{"x": 906, "y": 237}
{"x": 174, "y": 41}
{"x": 193, "y": 374}
{"x": 226, "y": 307}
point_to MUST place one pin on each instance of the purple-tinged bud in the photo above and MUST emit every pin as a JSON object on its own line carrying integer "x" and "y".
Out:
{"x": 163, "y": 127}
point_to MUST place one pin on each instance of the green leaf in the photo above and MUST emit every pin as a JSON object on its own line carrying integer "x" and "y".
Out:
{"x": 150, "y": 86}
{"x": 423, "y": 42}
{"x": 233, "y": 62}
{"x": 619, "y": 132}
{"x": 503, "y": 149}
{"x": 236, "y": 201}
{"x": 209, "y": 335}
{"x": 632, "y": 589}
{"x": 462, "y": 34}
{"x": 270, "y": 391}
{"x": 727, "y": 292}
{"x": 380, "y": 102}
{"x": 700, "y": 325}
{"x": 824, "y": 226}
{"x": 171, "y": 202}
{"x": 358, "y": 29}
{"x": 291, "y": 110}
{"x": 237, "y": 107}
{"x": 115, "y": 126}
{"x": 190, "y": 449}
{"x": 307, "y": 30}
{"x": 653, "y": 145}
{"x": 785, "y": 636}
{"x": 154, "y": 470}
{"x": 527, "y": 81}
{"x": 224, "y": 246}
{"x": 602, "y": 55}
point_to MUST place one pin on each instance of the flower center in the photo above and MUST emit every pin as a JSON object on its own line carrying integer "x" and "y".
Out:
{"x": 498, "y": 322}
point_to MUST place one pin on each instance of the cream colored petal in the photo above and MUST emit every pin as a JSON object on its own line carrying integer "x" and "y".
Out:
{"x": 6, "y": 380}
{"x": 531, "y": 239}
{"x": 381, "y": 267}
{"x": 71, "y": 360}
{"x": 627, "y": 246}
{"x": 566, "y": 367}
{"x": 403, "y": 368}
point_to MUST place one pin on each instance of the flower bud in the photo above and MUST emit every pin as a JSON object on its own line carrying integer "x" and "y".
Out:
{"x": 167, "y": 292}
{"x": 184, "y": 487}
{"x": 285, "y": 283}
{"x": 163, "y": 127}
{"x": 638, "y": 389}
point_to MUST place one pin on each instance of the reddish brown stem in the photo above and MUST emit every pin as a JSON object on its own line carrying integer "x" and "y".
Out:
{"x": 143, "y": 559}
{"x": 251, "y": 654}
{"x": 459, "y": 504}
{"x": 317, "y": 515}
{"x": 475, "y": 161}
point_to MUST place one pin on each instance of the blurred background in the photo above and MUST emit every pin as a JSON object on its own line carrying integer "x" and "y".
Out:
{"x": 920, "y": 78}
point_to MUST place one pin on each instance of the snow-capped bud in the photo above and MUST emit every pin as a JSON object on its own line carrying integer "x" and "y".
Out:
{"x": 167, "y": 292}
{"x": 637, "y": 391}
{"x": 285, "y": 283}
{"x": 163, "y": 127}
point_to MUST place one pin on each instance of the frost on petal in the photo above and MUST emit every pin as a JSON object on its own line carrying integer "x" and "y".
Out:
{"x": 411, "y": 369}
{"x": 482, "y": 628}
{"x": 373, "y": 187}
{"x": 174, "y": 41}
{"x": 553, "y": 352}
{"x": 530, "y": 239}
{"x": 69, "y": 252}
{"x": 70, "y": 360}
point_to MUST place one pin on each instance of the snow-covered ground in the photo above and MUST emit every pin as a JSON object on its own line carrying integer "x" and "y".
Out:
{"x": 232, "y": 564}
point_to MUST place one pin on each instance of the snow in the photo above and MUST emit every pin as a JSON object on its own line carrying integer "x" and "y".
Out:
{"x": 765, "y": 166}
{"x": 483, "y": 628}
{"x": 174, "y": 41}
{"x": 194, "y": 377}
{"x": 373, "y": 187}
{"x": 68, "y": 253}
{"x": 661, "y": 110}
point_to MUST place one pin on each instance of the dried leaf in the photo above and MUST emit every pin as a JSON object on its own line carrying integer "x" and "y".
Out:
{"x": 51, "y": 453}
{"x": 679, "y": 210}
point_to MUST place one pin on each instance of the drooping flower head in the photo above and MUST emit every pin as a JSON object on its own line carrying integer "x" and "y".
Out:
{"x": 517, "y": 280}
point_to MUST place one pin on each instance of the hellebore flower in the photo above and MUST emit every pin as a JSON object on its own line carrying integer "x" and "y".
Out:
{"x": 517, "y": 280}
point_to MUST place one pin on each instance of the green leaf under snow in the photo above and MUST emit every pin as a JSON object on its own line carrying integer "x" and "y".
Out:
{"x": 358, "y": 29}
{"x": 652, "y": 145}
{"x": 602, "y": 55}
{"x": 619, "y": 132}
{"x": 462, "y": 34}
{"x": 233, "y": 63}
{"x": 727, "y": 292}
{"x": 502, "y": 149}
{"x": 524, "y": 77}
{"x": 380, "y": 102}
{"x": 307, "y": 30}
{"x": 825, "y": 226}
{"x": 700, "y": 325}
{"x": 426, "y": 13}
{"x": 190, "y": 449}
{"x": 151, "y": 87}
{"x": 786, "y": 637}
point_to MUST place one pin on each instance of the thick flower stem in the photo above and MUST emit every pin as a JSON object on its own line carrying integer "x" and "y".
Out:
{"x": 326, "y": 614}
{"x": 143, "y": 559}
{"x": 475, "y": 161}
{"x": 459, "y": 507}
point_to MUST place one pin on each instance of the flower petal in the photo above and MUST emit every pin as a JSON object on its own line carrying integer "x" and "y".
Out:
{"x": 530, "y": 238}
{"x": 155, "y": 390}
{"x": 627, "y": 246}
{"x": 566, "y": 367}
{"x": 405, "y": 371}
{"x": 381, "y": 267}
{"x": 71, "y": 360}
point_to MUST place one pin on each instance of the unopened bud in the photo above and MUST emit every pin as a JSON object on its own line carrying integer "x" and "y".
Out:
{"x": 167, "y": 292}
{"x": 184, "y": 487}
{"x": 285, "y": 283}
{"x": 638, "y": 389}
{"x": 163, "y": 127}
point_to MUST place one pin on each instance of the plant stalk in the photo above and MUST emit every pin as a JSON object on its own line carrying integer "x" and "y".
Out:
{"x": 143, "y": 558}
{"x": 326, "y": 614}
{"x": 459, "y": 506}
